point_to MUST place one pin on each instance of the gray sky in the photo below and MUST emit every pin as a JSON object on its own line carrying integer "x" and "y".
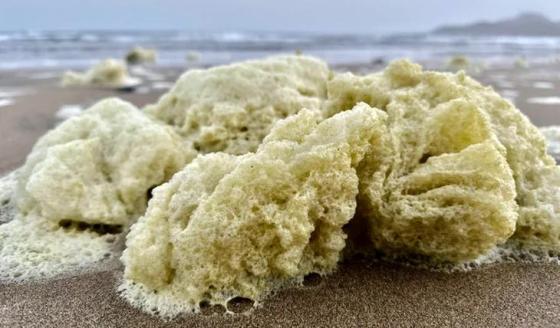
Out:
{"x": 292, "y": 15}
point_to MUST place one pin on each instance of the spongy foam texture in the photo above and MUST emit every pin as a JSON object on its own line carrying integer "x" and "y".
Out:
{"x": 232, "y": 108}
{"x": 32, "y": 248}
{"x": 7, "y": 187}
{"x": 234, "y": 225}
{"x": 98, "y": 167}
{"x": 457, "y": 146}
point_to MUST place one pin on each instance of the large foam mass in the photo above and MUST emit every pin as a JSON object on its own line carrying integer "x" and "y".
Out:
{"x": 234, "y": 225}
{"x": 482, "y": 164}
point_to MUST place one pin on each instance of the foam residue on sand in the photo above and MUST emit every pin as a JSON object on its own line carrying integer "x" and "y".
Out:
{"x": 295, "y": 165}
{"x": 7, "y": 95}
{"x": 67, "y": 111}
{"x": 12, "y": 92}
{"x": 544, "y": 100}
{"x": 543, "y": 85}
{"x": 6, "y": 102}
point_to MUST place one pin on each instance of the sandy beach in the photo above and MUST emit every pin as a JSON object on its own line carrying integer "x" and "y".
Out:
{"x": 359, "y": 294}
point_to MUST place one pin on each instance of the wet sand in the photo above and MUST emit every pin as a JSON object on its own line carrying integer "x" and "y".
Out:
{"x": 360, "y": 294}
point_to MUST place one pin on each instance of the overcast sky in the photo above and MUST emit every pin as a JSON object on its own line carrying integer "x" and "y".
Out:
{"x": 283, "y": 15}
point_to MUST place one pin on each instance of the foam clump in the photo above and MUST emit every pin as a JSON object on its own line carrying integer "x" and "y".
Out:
{"x": 230, "y": 225}
{"x": 139, "y": 55}
{"x": 459, "y": 62}
{"x": 83, "y": 183}
{"x": 232, "y": 108}
{"x": 458, "y": 145}
{"x": 520, "y": 63}
{"x": 97, "y": 167}
{"x": 108, "y": 73}
{"x": 192, "y": 57}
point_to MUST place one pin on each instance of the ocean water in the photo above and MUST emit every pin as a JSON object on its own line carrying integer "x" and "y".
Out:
{"x": 33, "y": 49}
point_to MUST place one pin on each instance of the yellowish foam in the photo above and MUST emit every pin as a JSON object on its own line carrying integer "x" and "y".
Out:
{"x": 107, "y": 73}
{"x": 139, "y": 55}
{"x": 232, "y": 108}
{"x": 430, "y": 167}
{"x": 229, "y": 226}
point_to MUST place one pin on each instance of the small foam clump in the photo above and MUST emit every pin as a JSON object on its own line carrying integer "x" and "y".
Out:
{"x": 108, "y": 73}
{"x": 139, "y": 55}
{"x": 232, "y": 108}
{"x": 458, "y": 62}
{"x": 230, "y": 225}
{"x": 97, "y": 167}
{"x": 464, "y": 63}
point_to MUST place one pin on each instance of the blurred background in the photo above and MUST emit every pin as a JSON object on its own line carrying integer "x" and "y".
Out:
{"x": 513, "y": 46}
{"x": 38, "y": 33}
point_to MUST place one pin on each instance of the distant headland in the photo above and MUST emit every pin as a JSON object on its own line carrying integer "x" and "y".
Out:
{"x": 525, "y": 24}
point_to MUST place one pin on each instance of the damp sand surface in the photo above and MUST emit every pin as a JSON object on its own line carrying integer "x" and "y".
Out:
{"x": 359, "y": 294}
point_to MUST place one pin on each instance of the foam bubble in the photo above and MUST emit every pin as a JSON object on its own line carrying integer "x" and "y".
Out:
{"x": 32, "y": 249}
{"x": 12, "y": 92}
{"x": 511, "y": 252}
